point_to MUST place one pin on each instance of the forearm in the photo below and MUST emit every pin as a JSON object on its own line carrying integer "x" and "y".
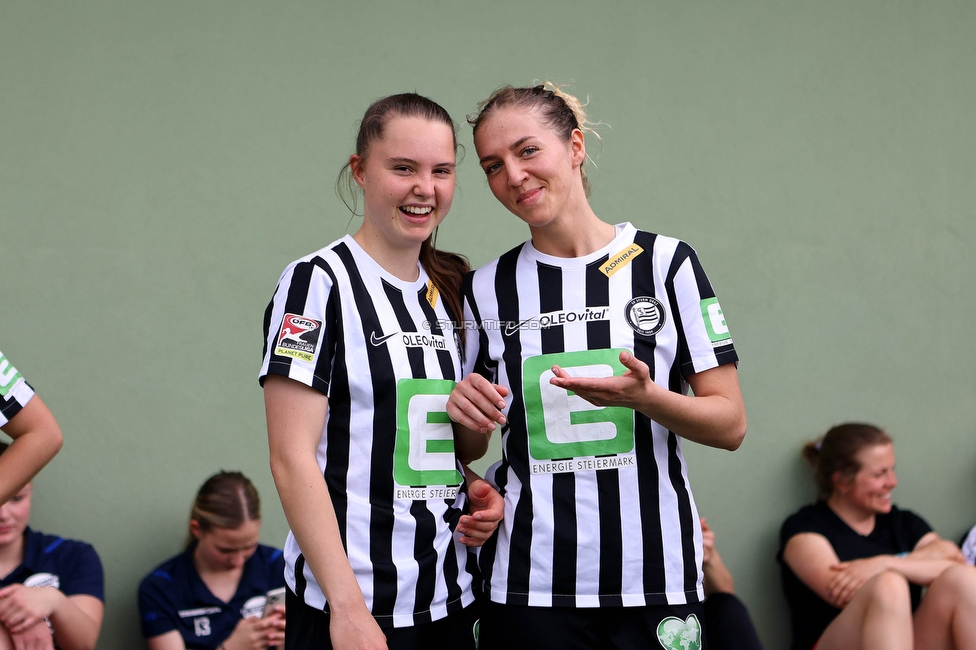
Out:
{"x": 469, "y": 445}
{"x": 714, "y": 416}
{"x": 718, "y": 578}
{"x": 74, "y": 627}
{"x": 36, "y": 440}
{"x": 308, "y": 508}
{"x": 920, "y": 572}
{"x": 715, "y": 420}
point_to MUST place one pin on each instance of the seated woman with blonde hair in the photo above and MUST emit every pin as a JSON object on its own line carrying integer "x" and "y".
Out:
{"x": 213, "y": 595}
{"x": 52, "y": 589}
{"x": 854, "y": 564}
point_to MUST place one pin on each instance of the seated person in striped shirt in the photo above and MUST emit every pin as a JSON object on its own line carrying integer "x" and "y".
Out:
{"x": 854, "y": 564}
{"x": 586, "y": 340}
{"x": 52, "y": 590}
{"x": 213, "y": 594}
{"x": 360, "y": 357}
{"x": 35, "y": 432}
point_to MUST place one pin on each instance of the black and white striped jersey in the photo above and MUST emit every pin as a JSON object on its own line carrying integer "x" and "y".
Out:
{"x": 598, "y": 507}
{"x": 384, "y": 352}
{"x": 14, "y": 391}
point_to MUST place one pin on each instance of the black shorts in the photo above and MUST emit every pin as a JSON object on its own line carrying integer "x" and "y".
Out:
{"x": 308, "y": 628}
{"x": 514, "y": 627}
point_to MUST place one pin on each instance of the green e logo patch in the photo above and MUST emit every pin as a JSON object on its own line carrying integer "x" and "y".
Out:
{"x": 8, "y": 376}
{"x": 714, "y": 320}
{"x": 562, "y": 424}
{"x": 424, "y": 451}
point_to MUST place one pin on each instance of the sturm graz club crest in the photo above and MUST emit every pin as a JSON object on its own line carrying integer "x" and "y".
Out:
{"x": 645, "y": 315}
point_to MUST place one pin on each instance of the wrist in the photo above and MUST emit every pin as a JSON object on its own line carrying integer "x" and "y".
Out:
{"x": 348, "y": 609}
{"x": 52, "y": 600}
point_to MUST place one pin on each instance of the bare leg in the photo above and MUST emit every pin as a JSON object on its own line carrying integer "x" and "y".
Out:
{"x": 879, "y": 617}
{"x": 946, "y": 619}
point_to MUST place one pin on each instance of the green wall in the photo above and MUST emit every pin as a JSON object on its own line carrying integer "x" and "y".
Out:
{"x": 161, "y": 162}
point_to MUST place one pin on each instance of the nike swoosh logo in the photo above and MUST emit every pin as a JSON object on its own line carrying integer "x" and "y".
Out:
{"x": 511, "y": 329}
{"x": 380, "y": 340}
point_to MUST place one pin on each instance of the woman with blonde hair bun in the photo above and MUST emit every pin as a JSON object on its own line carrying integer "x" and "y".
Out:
{"x": 854, "y": 564}
{"x": 583, "y": 343}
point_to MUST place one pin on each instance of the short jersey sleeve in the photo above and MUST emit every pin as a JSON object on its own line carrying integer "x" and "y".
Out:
{"x": 84, "y": 574}
{"x": 157, "y": 609}
{"x": 15, "y": 392}
{"x": 913, "y": 527}
{"x": 302, "y": 325}
{"x": 707, "y": 341}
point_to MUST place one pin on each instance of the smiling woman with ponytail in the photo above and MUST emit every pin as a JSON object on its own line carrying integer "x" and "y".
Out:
{"x": 359, "y": 359}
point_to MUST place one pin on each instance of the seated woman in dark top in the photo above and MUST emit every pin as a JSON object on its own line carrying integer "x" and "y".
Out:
{"x": 213, "y": 595}
{"x": 854, "y": 563}
{"x": 52, "y": 589}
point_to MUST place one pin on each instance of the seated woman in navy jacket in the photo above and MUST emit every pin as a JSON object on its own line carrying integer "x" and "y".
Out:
{"x": 52, "y": 589}
{"x": 213, "y": 594}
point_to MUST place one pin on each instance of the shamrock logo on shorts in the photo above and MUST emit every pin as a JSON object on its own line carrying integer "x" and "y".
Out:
{"x": 675, "y": 634}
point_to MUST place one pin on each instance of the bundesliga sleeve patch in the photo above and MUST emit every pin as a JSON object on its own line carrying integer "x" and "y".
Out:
{"x": 298, "y": 338}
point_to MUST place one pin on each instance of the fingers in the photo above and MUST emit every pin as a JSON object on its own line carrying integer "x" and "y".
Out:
{"x": 478, "y": 492}
{"x": 490, "y": 506}
{"x": 475, "y": 533}
{"x": 274, "y": 629}
{"x": 278, "y": 610}
{"x": 634, "y": 364}
{"x": 708, "y": 540}
{"x": 487, "y": 509}
{"x": 600, "y": 391}
{"x": 34, "y": 638}
{"x": 844, "y": 585}
{"x": 477, "y": 404}
{"x": 586, "y": 387}
{"x": 559, "y": 372}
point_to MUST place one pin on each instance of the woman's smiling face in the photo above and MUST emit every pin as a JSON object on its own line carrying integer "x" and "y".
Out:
{"x": 530, "y": 169}
{"x": 407, "y": 179}
{"x": 870, "y": 489}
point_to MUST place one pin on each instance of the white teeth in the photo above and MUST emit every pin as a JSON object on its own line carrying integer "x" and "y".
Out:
{"x": 416, "y": 210}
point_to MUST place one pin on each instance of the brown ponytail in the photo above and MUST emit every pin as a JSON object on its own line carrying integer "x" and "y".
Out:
{"x": 446, "y": 271}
